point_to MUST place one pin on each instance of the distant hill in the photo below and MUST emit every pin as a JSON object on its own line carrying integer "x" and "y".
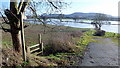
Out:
{"x": 78, "y": 15}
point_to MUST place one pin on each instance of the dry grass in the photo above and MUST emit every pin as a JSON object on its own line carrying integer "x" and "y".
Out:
{"x": 11, "y": 58}
{"x": 61, "y": 42}
{"x": 59, "y": 39}
{"x": 55, "y": 41}
{"x": 39, "y": 61}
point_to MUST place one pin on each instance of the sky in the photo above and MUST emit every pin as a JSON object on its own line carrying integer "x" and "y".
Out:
{"x": 86, "y": 6}
{"x": 99, "y": 6}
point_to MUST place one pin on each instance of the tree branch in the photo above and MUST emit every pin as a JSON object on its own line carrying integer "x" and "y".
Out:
{"x": 34, "y": 12}
{"x": 4, "y": 19}
{"x": 53, "y": 4}
{"x": 26, "y": 26}
{"x": 20, "y": 6}
{"x": 43, "y": 23}
{"x": 10, "y": 15}
{"x": 24, "y": 5}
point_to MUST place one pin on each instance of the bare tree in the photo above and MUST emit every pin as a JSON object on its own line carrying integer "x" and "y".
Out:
{"x": 98, "y": 20}
{"x": 76, "y": 18}
{"x": 13, "y": 20}
{"x": 14, "y": 15}
{"x": 50, "y": 7}
{"x": 60, "y": 17}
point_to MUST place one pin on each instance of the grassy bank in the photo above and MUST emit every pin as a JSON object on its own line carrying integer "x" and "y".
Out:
{"x": 62, "y": 45}
{"x": 112, "y": 35}
{"x": 80, "y": 44}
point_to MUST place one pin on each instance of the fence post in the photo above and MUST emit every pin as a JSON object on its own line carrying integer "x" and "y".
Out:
{"x": 22, "y": 37}
{"x": 42, "y": 47}
{"x": 40, "y": 42}
{"x": 28, "y": 50}
{"x": 39, "y": 38}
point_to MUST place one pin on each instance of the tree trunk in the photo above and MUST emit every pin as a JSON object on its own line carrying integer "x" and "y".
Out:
{"x": 16, "y": 39}
{"x": 15, "y": 27}
{"x": 13, "y": 16}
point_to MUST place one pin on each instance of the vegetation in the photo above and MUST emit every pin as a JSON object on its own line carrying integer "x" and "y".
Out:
{"x": 98, "y": 20}
{"x": 80, "y": 43}
{"x": 112, "y": 35}
{"x": 14, "y": 17}
{"x": 59, "y": 43}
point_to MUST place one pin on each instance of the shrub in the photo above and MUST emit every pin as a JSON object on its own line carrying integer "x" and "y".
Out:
{"x": 75, "y": 33}
{"x": 61, "y": 42}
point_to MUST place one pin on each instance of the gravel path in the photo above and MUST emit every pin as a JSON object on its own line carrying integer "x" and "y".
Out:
{"x": 102, "y": 53}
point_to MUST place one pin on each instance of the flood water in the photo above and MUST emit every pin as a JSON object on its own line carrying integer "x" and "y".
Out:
{"x": 109, "y": 28}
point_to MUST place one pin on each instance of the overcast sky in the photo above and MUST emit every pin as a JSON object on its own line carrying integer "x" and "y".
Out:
{"x": 98, "y": 6}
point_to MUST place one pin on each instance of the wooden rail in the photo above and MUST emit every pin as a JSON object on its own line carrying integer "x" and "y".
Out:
{"x": 36, "y": 49}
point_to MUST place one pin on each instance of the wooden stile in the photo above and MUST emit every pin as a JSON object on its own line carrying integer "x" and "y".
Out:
{"x": 34, "y": 46}
{"x": 36, "y": 49}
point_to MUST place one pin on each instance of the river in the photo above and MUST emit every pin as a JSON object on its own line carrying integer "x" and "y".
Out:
{"x": 109, "y": 28}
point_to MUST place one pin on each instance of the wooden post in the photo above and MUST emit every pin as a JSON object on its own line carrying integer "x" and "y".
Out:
{"x": 28, "y": 50}
{"x": 40, "y": 42}
{"x": 39, "y": 38}
{"x": 22, "y": 37}
{"x": 42, "y": 47}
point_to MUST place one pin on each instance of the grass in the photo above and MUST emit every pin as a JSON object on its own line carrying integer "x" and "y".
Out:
{"x": 112, "y": 35}
{"x": 81, "y": 44}
{"x": 60, "y": 44}
{"x": 59, "y": 40}
{"x": 84, "y": 40}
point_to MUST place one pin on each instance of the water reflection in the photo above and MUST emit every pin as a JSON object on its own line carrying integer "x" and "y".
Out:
{"x": 108, "y": 28}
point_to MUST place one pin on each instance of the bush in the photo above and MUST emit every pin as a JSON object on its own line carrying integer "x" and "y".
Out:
{"x": 61, "y": 42}
{"x": 75, "y": 33}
